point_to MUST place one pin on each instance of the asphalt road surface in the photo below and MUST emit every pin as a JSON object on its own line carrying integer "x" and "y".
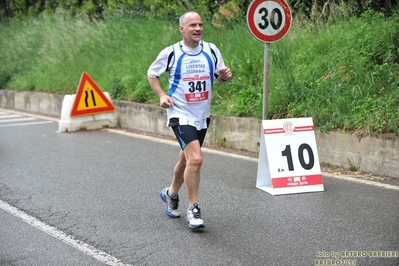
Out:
{"x": 92, "y": 198}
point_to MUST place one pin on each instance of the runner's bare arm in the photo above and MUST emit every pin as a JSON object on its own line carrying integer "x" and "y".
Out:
{"x": 164, "y": 100}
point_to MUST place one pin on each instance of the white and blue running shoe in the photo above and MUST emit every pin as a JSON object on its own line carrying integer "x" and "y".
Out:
{"x": 194, "y": 218}
{"x": 172, "y": 204}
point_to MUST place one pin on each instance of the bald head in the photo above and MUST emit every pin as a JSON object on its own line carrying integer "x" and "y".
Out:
{"x": 183, "y": 21}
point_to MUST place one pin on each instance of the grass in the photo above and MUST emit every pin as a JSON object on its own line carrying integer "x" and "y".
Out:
{"x": 344, "y": 74}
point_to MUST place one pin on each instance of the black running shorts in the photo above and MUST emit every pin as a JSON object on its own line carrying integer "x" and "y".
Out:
{"x": 186, "y": 133}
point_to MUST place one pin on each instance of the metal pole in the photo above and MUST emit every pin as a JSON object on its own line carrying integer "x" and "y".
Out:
{"x": 265, "y": 82}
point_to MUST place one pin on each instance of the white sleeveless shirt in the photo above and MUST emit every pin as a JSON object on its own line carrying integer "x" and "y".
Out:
{"x": 191, "y": 75}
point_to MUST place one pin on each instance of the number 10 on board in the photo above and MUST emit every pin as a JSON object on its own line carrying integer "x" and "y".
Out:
{"x": 288, "y": 161}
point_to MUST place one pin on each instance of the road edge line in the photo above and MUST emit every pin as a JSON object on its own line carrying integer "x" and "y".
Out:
{"x": 68, "y": 239}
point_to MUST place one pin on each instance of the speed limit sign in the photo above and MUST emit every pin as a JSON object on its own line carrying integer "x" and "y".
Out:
{"x": 288, "y": 161}
{"x": 269, "y": 20}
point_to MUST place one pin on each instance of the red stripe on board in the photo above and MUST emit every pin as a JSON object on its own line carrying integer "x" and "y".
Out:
{"x": 297, "y": 181}
{"x": 281, "y": 130}
{"x": 304, "y": 128}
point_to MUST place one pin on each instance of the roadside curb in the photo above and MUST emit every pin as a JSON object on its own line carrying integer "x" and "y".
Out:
{"x": 372, "y": 154}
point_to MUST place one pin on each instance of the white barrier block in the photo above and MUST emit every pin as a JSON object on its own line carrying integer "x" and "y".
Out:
{"x": 87, "y": 122}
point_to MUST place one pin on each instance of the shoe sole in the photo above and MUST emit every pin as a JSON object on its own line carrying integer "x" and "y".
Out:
{"x": 195, "y": 227}
{"x": 161, "y": 194}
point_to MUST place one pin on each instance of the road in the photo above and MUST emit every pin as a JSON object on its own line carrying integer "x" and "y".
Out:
{"x": 92, "y": 198}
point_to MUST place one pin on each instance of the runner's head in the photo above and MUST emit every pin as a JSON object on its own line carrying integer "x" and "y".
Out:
{"x": 191, "y": 28}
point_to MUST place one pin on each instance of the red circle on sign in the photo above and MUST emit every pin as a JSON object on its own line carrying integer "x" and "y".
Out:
{"x": 260, "y": 35}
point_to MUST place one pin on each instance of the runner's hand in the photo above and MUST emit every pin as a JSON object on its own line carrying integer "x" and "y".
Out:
{"x": 165, "y": 101}
{"x": 225, "y": 73}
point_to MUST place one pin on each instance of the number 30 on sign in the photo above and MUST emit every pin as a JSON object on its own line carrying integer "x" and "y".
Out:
{"x": 269, "y": 20}
{"x": 288, "y": 161}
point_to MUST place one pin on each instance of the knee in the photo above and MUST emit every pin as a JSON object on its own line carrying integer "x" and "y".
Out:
{"x": 195, "y": 161}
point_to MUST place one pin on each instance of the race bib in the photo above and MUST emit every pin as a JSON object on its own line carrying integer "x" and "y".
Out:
{"x": 196, "y": 87}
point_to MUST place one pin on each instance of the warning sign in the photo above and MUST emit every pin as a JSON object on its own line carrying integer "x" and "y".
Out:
{"x": 90, "y": 99}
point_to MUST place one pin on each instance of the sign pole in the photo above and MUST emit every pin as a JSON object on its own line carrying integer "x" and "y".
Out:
{"x": 268, "y": 21}
{"x": 266, "y": 82}
{"x": 289, "y": 162}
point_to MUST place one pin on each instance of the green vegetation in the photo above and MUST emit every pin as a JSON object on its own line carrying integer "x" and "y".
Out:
{"x": 343, "y": 71}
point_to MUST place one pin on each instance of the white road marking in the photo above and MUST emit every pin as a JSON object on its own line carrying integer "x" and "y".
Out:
{"x": 18, "y": 119}
{"x": 28, "y": 114}
{"x": 11, "y": 118}
{"x": 347, "y": 178}
{"x": 8, "y": 116}
{"x": 27, "y": 124}
{"x": 68, "y": 239}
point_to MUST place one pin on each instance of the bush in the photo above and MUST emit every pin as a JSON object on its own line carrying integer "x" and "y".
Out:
{"x": 336, "y": 72}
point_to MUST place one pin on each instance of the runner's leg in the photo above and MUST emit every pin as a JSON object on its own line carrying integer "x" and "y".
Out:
{"x": 193, "y": 157}
{"x": 178, "y": 173}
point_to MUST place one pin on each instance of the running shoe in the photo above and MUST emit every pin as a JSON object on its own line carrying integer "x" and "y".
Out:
{"x": 194, "y": 217}
{"x": 172, "y": 204}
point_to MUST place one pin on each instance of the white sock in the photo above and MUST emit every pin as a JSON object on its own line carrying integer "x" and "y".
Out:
{"x": 172, "y": 194}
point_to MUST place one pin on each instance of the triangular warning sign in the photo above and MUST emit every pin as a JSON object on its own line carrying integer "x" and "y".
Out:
{"x": 90, "y": 99}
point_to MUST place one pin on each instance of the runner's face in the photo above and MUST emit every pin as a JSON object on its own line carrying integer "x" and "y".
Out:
{"x": 192, "y": 30}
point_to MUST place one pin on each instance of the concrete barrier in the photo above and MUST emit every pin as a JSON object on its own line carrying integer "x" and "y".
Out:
{"x": 372, "y": 154}
{"x": 35, "y": 102}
